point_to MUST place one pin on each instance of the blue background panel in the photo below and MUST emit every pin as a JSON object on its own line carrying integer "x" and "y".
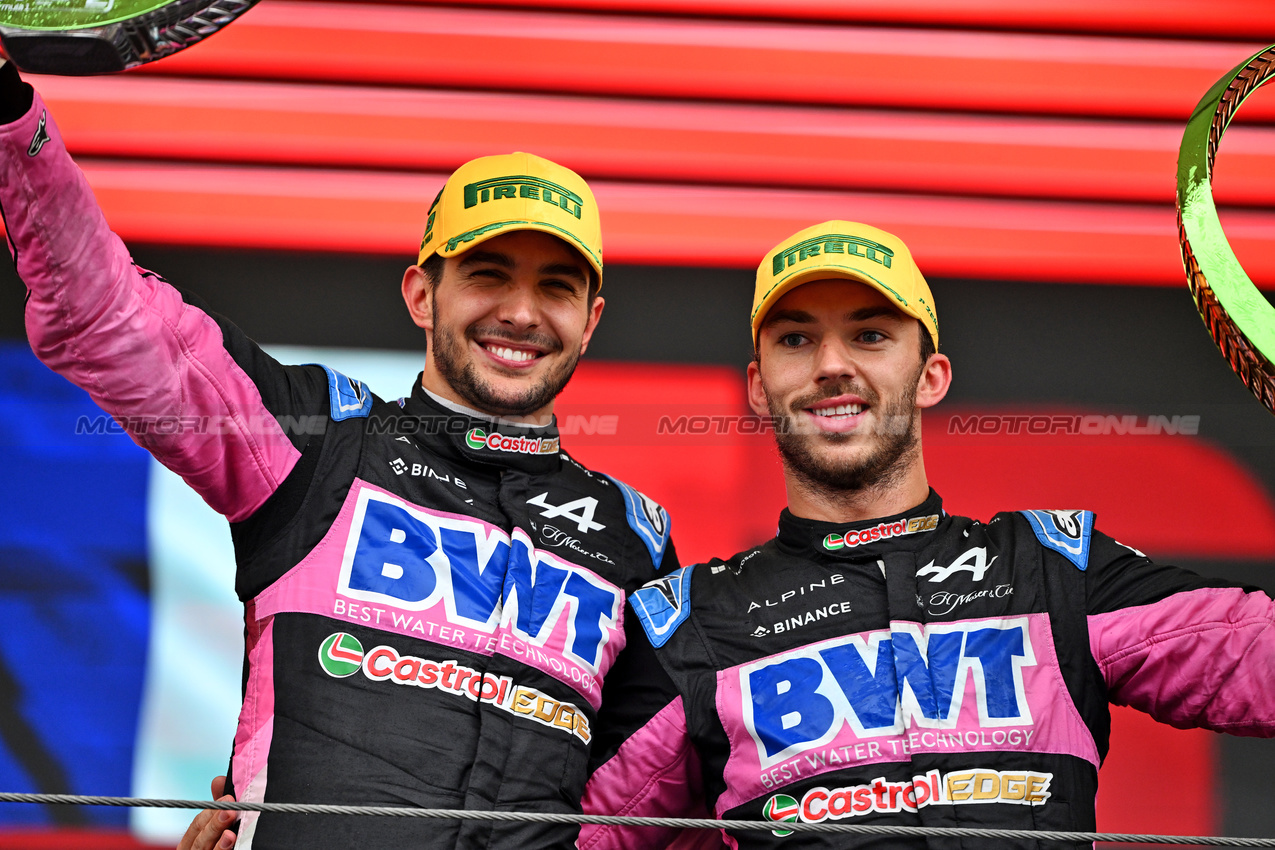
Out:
{"x": 74, "y": 596}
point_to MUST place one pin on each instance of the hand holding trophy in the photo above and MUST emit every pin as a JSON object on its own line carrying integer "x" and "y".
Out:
{"x": 77, "y": 37}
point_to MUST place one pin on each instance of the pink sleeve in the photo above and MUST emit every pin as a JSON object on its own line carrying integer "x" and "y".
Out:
{"x": 655, "y": 773}
{"x": 154, "y": 362}
{"x": 1201, "y": 657}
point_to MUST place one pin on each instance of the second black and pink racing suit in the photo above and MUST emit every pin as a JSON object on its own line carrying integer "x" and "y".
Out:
{"x": 924, "y": 670}
{"x": 434, "y": 601}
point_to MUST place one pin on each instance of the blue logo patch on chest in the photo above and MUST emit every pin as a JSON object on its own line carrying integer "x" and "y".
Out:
{"x": 663, "y": 605}
{"x": 1066, "y": 532}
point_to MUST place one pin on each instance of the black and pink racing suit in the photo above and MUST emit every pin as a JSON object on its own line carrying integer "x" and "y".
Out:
{"x": 924, "y": 670}
{"x": 433, "y": 600}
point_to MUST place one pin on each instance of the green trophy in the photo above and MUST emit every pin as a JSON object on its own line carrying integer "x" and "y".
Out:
{"x": 1238, "y": 317}
{"x": 77, "y": 37}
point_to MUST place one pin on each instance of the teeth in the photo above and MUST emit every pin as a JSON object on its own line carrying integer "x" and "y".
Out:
{"x": 511, "y": 354}
{"x": 840, "y": 410}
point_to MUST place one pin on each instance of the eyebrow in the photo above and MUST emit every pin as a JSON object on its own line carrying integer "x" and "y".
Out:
{"x": 505, "y": 261}
{"x": 494, "y": 257}
{"x": 799, "y": 317}
{"x": 865, "y": 313}
{"x": 565, "y": 270}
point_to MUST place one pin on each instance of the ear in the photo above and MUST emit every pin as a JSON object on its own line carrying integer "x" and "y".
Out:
{"x": 934, "y": 381}
{"x": 416, "y": 294}
{"x": 756, "y": 392}
{"x": 595, "y": 315}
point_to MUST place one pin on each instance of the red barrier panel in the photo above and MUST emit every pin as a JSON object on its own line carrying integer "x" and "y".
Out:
{"x": 662, "y": 224}
{"x": 1140, "y": 474}
{"x": 1225, "y": 19}
{"x": 361, "y": 127}
{"x": 663, "y": 57}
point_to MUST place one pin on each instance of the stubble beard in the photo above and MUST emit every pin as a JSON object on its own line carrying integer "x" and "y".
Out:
{"x": 461, "y": 373}
{"x": 883, "y": 466}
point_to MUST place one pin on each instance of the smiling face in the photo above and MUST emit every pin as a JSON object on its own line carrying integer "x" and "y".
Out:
{"x": 839, "y": 371}
{"x": 508, "y": 321}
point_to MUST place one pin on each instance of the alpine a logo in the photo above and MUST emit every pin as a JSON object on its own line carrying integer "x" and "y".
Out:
{"x": 478, "y": 439}
{"x": 580, "y": 511}
{"x": 341, "y": 655}
{"x": 883, "y": 531}
{"x": 974, "y": 561}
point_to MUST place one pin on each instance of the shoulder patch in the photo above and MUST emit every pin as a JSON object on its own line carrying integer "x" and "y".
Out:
{"x": 663, "y": 605}
{"x": 647, "y": 519}
{"x": 348, "y": 398}
{"x": 1066, "y": 532}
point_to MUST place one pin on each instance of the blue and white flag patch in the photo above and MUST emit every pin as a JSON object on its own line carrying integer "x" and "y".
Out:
{"x": 647, "y": 519}
{"x": 348, "y": 398}
{"x": 1066, "y": 532}
{"x": 663, "y": 605}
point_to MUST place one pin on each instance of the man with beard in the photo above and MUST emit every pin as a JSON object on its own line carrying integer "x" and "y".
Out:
{"x": 881, "y": 661}
{"x": 413, "y": 636}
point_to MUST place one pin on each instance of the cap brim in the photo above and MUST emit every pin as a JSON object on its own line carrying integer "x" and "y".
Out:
{"x": 822, "y": 273}
{"x": 499, "y": 228}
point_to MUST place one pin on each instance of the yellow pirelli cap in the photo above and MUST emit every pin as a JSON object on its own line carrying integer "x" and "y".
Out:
{"x": 850, "y": 250}
{"x": 492, "y": 195}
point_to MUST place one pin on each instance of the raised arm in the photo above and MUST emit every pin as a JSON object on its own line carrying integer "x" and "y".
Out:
{"x": 186, "y": 384}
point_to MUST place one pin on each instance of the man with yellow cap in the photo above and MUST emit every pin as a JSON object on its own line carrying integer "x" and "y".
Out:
{"x": 881, "y": 661}
{"x": 433, "y": 589}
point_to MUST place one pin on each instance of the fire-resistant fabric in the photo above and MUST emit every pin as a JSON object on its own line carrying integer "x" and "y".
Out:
{"x": 433, "y": 601}
{"x": 925, "y": 670}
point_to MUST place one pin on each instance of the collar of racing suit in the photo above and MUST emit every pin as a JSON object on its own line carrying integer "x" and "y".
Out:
{"x": 856, "y": 541}
{"x": 477, "y": 440}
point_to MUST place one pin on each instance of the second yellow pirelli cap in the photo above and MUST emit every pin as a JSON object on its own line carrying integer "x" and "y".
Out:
{"x": 850, "y": 250}
{"x": 492, "y": 195}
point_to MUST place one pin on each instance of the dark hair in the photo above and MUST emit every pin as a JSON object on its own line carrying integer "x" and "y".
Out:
{"x": 433, "y": 269}
{"x": 927, "y": 343}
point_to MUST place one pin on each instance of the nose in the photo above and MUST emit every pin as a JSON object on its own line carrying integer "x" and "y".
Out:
{"x": 520, "y": 306}
{"x": 834, "y": 360}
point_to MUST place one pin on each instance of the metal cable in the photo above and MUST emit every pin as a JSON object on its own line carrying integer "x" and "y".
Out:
{"x": 615, "y": 820}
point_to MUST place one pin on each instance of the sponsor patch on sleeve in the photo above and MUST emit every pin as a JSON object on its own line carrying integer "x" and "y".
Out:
{"x": 347, "y": 397}
{"x": 1066, "y": 532}
{"x": 663, "y": 605}
{"x": 647, "y": 519}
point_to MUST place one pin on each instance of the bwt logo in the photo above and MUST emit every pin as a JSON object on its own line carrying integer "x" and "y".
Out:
{"x": 883, "y": 682}
{"x": 409, "y": 558}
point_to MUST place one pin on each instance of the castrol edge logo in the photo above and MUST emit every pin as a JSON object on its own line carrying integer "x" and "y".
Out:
{"x": 882, "y": 531}
{"x": 341, "y": 655}
{"x": 477, "y": 438}
{"x": 957, "y": 788}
